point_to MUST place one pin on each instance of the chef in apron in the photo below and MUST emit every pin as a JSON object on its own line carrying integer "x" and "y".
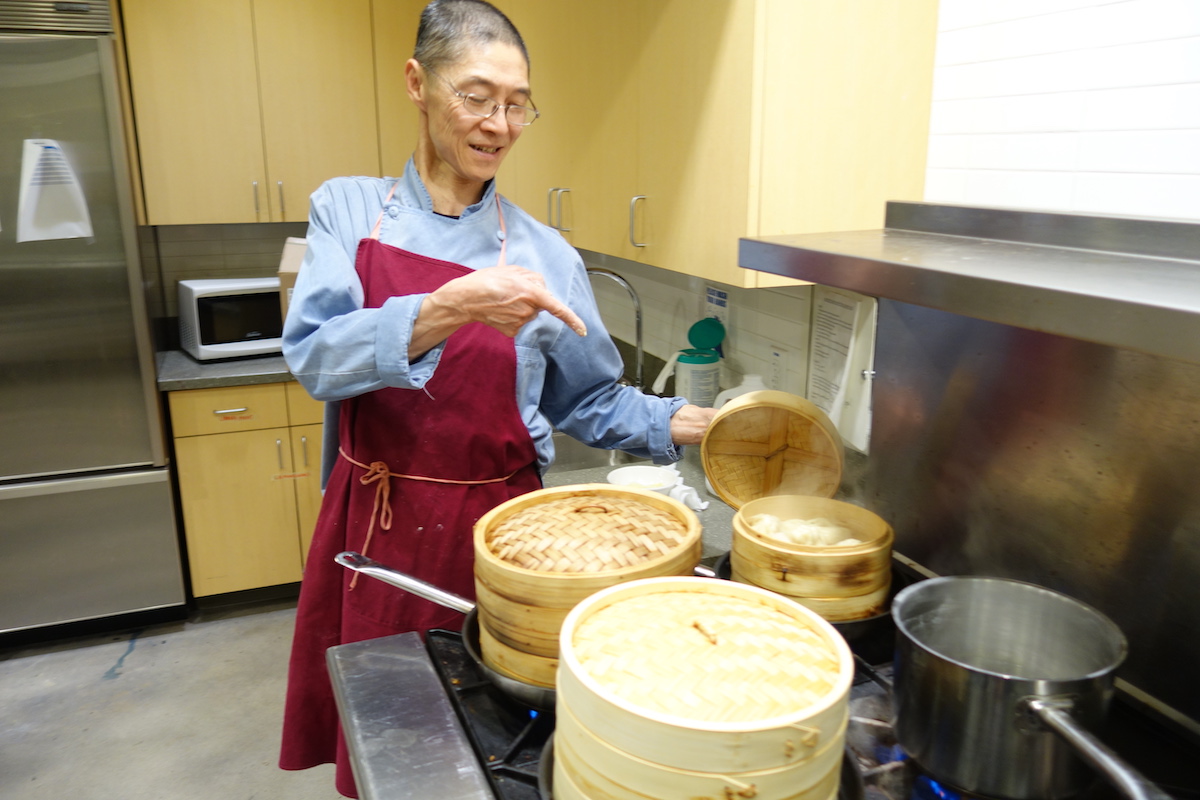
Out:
{"x": 448, "y": 332}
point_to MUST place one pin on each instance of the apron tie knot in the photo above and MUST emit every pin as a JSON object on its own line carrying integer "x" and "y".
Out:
{"x": 377, "y": 472}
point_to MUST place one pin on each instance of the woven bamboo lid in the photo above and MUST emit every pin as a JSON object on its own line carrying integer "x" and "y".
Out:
{"x": 709, "y": 652}
{"x": 591, "y": 529}
{"x": 769, "y": 442}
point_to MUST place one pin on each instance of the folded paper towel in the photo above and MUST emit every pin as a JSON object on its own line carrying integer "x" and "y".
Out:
{"x": 686, "y": 494}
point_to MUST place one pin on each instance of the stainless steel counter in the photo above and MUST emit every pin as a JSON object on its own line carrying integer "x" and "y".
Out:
{"x": 1129, "y": 283}
{"x": 403, "y": 735}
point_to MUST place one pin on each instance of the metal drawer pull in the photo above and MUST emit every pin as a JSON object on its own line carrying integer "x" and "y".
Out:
{"x": 282, "y": 207}
{"x": 279, "y": 451}
{"x": 561, "y": 192}
{"x": 304, "y": 449}
{"x": 255, "y": 185}
{"x": 633, "y": 213}
{"x": 222, "y": 411}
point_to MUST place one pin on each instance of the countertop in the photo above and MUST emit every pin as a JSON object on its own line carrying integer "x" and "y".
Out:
{"x": 177, "y": 371}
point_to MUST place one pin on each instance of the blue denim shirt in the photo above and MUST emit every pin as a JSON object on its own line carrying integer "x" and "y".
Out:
{"x": 337, "y": 349}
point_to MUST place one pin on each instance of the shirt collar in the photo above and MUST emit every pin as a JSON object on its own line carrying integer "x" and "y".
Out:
{"x": 412, "y": 192}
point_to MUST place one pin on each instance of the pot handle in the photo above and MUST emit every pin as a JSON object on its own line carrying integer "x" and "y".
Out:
{"x": 1055, "y": 715}
{"x": 426, "y": 591}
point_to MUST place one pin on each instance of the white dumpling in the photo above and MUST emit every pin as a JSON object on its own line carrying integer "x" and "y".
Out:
{"x": 765, "y": 524}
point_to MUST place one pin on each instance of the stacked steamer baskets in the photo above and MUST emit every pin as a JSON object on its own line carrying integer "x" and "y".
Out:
{"x": 775, "y": 454}
{"x": 690, "y": 688}
{"x": 539, "y": 554}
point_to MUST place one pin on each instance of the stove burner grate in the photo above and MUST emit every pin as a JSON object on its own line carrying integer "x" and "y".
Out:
{"x": 507, "y": 736}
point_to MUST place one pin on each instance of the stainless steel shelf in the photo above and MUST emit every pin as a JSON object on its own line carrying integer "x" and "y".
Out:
{"x": 1129, "y": 283}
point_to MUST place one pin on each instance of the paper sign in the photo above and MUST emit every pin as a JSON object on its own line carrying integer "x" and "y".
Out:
{"x": 841, "y": 360}
{"x": 51, "y": 203}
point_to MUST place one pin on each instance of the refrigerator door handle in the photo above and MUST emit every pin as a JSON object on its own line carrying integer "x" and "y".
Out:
{"x": 67, "y": 485}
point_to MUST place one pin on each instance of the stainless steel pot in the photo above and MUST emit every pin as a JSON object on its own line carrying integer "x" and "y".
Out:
{"x": 997, "y": 684}
{"x": 539, "y": 697}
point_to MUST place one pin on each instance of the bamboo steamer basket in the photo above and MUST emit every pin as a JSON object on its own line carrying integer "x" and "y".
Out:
{"x": 613, "y": 773}
{"x": 514, "y": 663}
{"x": 539, "y": 554}
{"x": 823, "y": 574}
{"x": 769, "y": 443}
{"x": 775, "y": 453}
{"x": 705, "y": 676}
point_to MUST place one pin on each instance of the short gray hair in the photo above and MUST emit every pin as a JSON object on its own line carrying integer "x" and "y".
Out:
{"x": 449, "y": 27}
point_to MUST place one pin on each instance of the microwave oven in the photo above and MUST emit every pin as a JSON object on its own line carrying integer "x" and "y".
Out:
{"x": 230, "y": 317}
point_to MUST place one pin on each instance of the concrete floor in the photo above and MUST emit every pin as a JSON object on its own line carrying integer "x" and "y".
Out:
{"x": 182, "y": 711}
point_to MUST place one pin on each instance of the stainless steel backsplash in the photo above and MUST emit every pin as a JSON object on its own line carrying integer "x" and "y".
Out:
{"x": 1002, "y": 451}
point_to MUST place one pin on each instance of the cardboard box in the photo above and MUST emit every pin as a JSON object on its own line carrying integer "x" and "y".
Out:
{"x": 289, "y": 267}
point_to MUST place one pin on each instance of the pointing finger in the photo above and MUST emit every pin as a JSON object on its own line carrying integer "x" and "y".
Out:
{"x": 559, "y": 309}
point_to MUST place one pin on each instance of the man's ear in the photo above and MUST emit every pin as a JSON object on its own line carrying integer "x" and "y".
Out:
{"x": 414, "y": 82}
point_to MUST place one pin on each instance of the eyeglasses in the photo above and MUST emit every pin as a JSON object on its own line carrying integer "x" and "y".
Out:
{"x": 485, "y": 106}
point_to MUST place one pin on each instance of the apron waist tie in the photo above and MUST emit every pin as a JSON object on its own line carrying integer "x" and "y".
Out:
{"x": 377, "y": 472}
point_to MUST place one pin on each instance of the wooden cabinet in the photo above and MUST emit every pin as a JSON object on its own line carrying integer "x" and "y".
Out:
{"x": 244, "y": 107}
{"x": 730, "y": 118}
{"x": 248, "y": 465}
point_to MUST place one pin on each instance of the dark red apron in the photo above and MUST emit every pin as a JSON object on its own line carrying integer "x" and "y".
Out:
{"x": 416, "y": 470}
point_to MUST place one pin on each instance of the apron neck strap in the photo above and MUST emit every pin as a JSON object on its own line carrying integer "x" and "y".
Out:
{"x": 379, "y": 219}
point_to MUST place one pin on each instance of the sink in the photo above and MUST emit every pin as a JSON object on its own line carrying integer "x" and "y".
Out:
{"x": 571, "y": 454}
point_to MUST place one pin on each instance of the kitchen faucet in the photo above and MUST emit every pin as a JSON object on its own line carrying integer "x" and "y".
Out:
{"x": 639, "y": 378}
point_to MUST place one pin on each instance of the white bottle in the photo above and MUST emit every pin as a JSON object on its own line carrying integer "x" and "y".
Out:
{"x": 750, "y": 383}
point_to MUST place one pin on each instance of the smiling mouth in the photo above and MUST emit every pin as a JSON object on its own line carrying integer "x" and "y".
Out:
{"x": 488, "y": 150}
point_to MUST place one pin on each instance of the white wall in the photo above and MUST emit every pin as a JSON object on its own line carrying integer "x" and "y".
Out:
{"x": 1070, "y": 105}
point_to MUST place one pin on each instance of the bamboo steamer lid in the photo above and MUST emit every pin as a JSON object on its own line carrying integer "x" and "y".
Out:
{"x": 615, "y": 773}
{"x": 552, "y": 547}
{"x": 800, "y": 571}
{"x": 768, "y": 443}
{"x": 539, "y": 554}
{"x": 703, "y": 675}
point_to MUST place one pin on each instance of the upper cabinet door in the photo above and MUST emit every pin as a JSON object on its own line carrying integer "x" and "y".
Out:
{"x": 244, "y": 107}
{"x": 317, "y": 87}
{"x": 195, "y": 98}
{"x": 395, "y": 29}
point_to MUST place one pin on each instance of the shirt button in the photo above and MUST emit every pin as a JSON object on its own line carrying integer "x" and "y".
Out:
{"x": 393, "y": 211}
{"x": 500, "y": 235}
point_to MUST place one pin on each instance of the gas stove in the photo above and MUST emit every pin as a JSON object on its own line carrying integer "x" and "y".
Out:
{"x": 511, "y": 740}
{"x": 421, "y": 717}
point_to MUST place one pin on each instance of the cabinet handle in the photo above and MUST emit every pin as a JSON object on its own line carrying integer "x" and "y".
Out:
{"x": 282, "y": 207}
{"x": 279, "y": 451}
{"x": 633, "y": 213}
{"x": 561, "y": 192}
{"x": 255, "y": 185}
{"x": 550, "y": 208}
{"x": 220, "y": 412}
{"x": 304, "y": 449}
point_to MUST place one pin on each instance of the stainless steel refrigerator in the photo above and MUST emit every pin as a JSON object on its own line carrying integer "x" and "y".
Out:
{"x": 87, "y": 524}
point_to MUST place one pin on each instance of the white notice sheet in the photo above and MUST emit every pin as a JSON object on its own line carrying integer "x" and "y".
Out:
{"x": 841, "y": 357}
